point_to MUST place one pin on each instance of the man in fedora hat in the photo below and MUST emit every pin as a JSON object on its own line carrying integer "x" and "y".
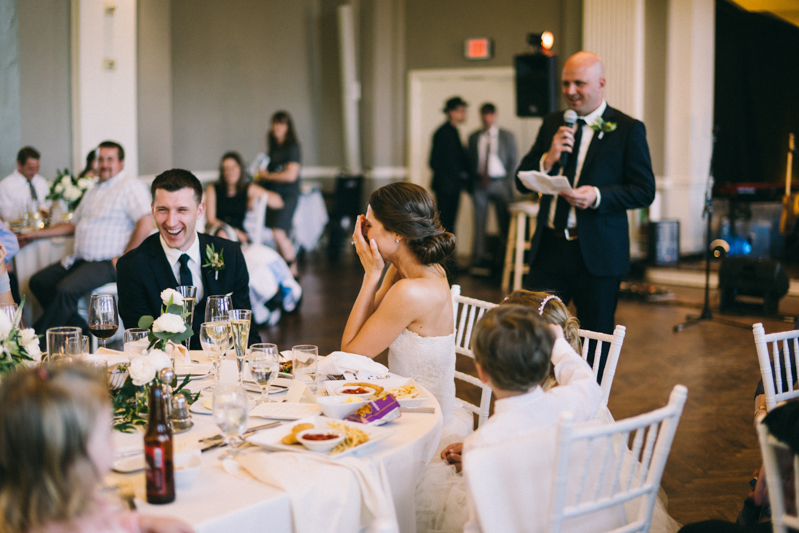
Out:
{"x": 449, "y": 162}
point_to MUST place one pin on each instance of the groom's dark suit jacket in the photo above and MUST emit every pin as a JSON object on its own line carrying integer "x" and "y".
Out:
{"x": 144, "y": 272}
{"x": 619, "y": 165}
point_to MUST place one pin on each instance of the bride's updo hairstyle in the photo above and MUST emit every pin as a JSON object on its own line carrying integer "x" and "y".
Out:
{"x": 408, "y": 210}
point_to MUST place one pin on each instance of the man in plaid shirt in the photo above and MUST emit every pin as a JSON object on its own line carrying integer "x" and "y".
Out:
{"x": 112, "y": 218}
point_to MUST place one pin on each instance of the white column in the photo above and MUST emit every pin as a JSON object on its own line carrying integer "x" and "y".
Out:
{"x": 350, "y": 89}
{"x": 689, "y": 115}
{"x": 104, "y": 98}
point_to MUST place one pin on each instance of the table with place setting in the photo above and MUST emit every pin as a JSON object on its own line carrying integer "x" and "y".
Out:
{"x": 288, "y": 487}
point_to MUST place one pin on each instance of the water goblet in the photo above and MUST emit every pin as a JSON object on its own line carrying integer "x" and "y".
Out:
{"x": 189, "y": 294}
{"x": 240, "y": 320}
{"x": 103, "y": 316}
{"x": 57, "y": 339}
{"x": 304, "y": 361}
{"x": 230, "y": 414}
{"x": 10, "y": 310}
{"x": 214, "y": 338}
{"x": 136, "y": 341}
{"x": 264, "y": 367}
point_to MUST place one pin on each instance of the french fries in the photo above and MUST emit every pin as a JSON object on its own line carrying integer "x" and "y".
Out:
{"x": 405, "y": 392}
{"x": 352, "y": 437}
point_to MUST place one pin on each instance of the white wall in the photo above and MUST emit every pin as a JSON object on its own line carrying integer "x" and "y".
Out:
{"x": 104, "y": 101}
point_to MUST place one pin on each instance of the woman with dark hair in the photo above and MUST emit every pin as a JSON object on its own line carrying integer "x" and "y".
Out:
{"x": 90, "y": 170}
{"x": 411, "y": 312}
{"x": 282, "y": 176}
{"x": 232, "y": 195}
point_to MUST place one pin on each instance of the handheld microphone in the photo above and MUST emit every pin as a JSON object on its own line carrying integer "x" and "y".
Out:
{"x": 569, "y": 119}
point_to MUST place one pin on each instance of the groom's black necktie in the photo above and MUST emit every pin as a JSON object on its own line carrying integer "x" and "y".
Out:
{"x": 185, "y": 273}
{"x": 34, "y": 196}
{"x": 563, "y": 207}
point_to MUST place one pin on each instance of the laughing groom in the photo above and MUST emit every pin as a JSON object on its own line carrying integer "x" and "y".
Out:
{"x": 176, "y": 256}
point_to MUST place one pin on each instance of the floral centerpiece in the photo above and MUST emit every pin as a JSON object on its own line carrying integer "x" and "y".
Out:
{"x": 19, "y": 346}
{"x": 68, "y": 189}
{"x": 130, "y": 401}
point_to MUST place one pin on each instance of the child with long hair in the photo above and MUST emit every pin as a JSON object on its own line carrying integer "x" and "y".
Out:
{"x": 55, "y": 448}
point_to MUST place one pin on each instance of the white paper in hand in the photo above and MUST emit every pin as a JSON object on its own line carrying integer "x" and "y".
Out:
{"x": 544, "y": 183}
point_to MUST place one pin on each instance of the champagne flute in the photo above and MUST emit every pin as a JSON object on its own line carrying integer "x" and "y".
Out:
{"x": 264, "y": 366}
{"x": 103, "y": 317}
{"x": 240, "y": 320}
{"x": 214, "y": 338}
{"x": 189, "y": 294}
{"x": 230, "y": 414}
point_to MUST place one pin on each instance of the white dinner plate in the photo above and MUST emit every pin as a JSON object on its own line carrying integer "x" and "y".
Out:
{"x": 131, "y": 463}
{"x": 199, "y": 407}
{"x": 391, "y": 383}
{"x": 195, "y": 370}
{"x": 271, "y": 438}
{"x": 285, "y": 411}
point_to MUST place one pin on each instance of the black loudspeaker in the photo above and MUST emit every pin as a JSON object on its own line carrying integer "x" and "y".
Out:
{"x": 536, "y": 84}
{"x": 753, "y": 278}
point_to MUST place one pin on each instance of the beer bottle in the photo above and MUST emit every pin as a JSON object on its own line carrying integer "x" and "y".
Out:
{"x": 158, "y": 451}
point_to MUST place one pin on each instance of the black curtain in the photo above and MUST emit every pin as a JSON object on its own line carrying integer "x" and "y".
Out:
{"x": 756, "y": 95}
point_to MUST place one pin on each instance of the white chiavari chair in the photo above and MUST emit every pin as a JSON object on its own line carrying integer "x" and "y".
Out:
{"x": 616, "y": 340}
{"x": 771, "y": 448}
{"x": 467, "y": 312}
{"x": 778, "y": 382}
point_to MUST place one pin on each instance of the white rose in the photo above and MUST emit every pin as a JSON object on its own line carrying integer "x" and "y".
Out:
{"x": 5, "y": 325}
{"x": 59, "y": 188}
{"x": 160, "y": 360}
{"x": 166, "y": 294}
{"x": 85, "y": 183}
{"x": 141, "y": 371}
{"x": 169, "y": 323}
{"x": 27, "y": 336}
{"x": 72, "y": 193}
{"x": 34, "y": 352}
{"x": 66, "y": 180}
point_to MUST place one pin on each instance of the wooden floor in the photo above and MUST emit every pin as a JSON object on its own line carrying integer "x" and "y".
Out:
{"x": 715, "y": 450}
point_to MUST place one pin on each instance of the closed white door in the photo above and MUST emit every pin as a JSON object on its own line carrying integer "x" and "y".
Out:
{"x": 428, "y": 91}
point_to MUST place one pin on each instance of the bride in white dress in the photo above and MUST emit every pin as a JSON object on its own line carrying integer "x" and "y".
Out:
{"x": 411, "y": 311}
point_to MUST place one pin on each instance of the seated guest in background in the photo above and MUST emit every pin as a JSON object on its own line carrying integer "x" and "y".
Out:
{"x": 176, "y": 255}
{"x": 5, "y": 281}
{"x": 282, "y": 176}
{"x": 513, "y": 350}
{"x": 90, "y": 170}
{"x": 229, "y": 199}
{"x": 10, "y": 247}
{"x": 113, "y": 217}
{"x": 55, "y": 449}
{"x": 23, "y": 187}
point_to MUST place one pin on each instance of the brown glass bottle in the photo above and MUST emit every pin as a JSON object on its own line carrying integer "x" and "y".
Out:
{"x": 159, "y": 469}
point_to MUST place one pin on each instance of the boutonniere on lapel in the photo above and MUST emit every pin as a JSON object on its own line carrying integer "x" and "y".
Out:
{"x": 603, "y": 127}
{"x": 214, "y": 260}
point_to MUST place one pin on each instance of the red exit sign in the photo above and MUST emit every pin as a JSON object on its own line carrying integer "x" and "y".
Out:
{"x": 478, "y": 49}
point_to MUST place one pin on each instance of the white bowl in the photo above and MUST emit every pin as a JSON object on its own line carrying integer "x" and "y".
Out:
{"x": 320, "y": 445}
{"x": 187, "y": 466}
{"x": 364, "y": 395}
{"x": 334, "y": 406}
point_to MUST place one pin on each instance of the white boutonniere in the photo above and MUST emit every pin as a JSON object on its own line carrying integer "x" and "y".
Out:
{"x": 603, "y": 127}
{"x": 214, "y": 260}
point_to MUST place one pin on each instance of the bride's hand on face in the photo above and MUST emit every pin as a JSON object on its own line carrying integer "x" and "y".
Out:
{"x": 367, "y": 251}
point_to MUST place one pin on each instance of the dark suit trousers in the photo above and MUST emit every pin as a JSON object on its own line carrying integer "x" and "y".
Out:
{"x": 447, "y": 204}
{"x": 58, "y": 291}
{"x": 559, "y": 268}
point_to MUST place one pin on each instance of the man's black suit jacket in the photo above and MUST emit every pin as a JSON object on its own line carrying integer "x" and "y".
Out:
{"x": 619, "y": 165}
{"x": 144, "y": 272}
{"x": 448, "y": 161}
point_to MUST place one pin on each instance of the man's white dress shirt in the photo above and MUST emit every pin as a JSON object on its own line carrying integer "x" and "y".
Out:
{"x": 15, "y": 195}
{"x": 194, "y": 264}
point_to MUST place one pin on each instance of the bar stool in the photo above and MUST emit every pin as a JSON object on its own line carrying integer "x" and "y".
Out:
{"x": 520, "y": 233}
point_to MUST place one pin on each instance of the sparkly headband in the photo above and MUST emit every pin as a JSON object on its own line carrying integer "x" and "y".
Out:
{"x": 544, "y": 303}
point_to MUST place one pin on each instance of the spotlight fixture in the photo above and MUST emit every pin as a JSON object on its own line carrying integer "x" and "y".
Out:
{"x": 541, "y": 42}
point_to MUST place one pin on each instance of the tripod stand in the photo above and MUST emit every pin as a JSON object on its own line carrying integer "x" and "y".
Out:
{"x": 707, "y": 213}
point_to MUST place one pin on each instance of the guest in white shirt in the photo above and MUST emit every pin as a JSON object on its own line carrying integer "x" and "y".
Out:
{"x": 112, "y": 218}
{"x": 20, "y": 189}
{"x": 512, "y": 347}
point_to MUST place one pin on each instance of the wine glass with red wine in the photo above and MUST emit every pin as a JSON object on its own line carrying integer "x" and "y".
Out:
{"x": 103, "y": 317}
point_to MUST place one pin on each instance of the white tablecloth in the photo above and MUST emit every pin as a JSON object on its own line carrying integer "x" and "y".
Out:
{"x": 221, "y": 502}
{"x": 34, "y": 257}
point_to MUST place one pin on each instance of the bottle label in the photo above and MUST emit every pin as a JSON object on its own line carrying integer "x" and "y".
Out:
{"x": 155, "y": 470}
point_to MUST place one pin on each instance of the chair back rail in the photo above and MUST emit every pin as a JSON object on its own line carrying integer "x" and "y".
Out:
{"x": 769, "y": 446}
{"x": 781, "y": 345}
{"x": 616, "y": 340}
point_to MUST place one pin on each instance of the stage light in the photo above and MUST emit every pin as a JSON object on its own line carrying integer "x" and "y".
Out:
{"x": 547, "y": 40}
{"x": 541, "y": 42}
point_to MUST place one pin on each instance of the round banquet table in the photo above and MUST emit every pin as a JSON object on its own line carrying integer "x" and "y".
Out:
{"x": 222, "y": 501}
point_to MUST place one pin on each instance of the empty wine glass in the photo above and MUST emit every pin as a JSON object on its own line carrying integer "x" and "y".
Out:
{"x": 214, "y": 340}
{"x": 240, "y": 320}
{"x": 217, "y": 308}
{"x": 103, "y": 317}
{"x": 230, "y": 414}
{"x": 10, "y": 310}
{"x": 264, "y": 367}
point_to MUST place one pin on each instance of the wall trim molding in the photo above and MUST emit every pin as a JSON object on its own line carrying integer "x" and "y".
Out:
{"x": 207, "y": 176}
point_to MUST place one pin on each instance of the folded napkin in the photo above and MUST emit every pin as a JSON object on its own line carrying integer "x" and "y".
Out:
{"x": 179, "y": 353}
{"x": 330, "y": 488}
{"x": 113, "y": 357}
{"x": 337, "y": 363}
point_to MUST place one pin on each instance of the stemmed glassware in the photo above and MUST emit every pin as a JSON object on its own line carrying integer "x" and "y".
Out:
{"x": 230, "y": 414}
{"x": 217, "y": 308}
{"x": 103, "y": 317}
{"x": 214, "y": 340}
{"x": 240, "y": 320}
{"x": 189, "y": 294}
{"x": 264, "y": 367}
{"x": 304, "y": 364}
{"x": 10, "y": 310}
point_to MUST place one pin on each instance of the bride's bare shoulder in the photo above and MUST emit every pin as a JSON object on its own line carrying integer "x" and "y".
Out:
{"x": 423, "y": 290}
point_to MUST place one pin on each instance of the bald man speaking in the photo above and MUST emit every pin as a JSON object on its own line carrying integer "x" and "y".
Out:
{"x": 581, "y": 246}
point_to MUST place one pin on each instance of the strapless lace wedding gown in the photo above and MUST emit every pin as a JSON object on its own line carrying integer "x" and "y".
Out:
{"x": 441, "y": 494}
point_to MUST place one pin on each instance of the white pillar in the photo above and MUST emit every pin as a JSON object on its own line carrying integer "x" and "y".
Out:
{"x": 350, "y": 89}
{"x": 104, "y": 98}
{"x": 689, "y": 115}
